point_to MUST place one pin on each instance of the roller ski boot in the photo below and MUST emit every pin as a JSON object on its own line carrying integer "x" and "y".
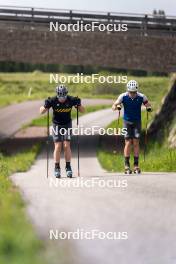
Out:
{"x": 57, "y": 173}
{"x": 128, "y": 170}
{"x": 69, "y": 172}
{"x": 137, "y": 170}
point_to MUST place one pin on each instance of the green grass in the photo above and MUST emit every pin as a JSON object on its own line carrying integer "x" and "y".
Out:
{"x": 15, "y": 87}
{"x": 42, "y": 121}
{"x": 158, "y": 159}
{"x": 18, "y": 242}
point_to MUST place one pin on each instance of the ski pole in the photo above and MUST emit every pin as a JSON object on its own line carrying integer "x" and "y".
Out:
{"x": 118, "y": 121}
{"x": 47, "y": 145}
{"x": 78, "y": 140}
{"x": 145, "y": 139}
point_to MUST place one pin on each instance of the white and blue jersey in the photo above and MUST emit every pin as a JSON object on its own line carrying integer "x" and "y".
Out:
{"x": 132, "y": 106}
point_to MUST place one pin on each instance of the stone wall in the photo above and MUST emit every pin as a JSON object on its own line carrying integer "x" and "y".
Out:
{"x": 120, "y": 50}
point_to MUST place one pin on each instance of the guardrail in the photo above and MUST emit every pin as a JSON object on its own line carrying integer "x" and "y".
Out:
{"x": 144, "y": 22}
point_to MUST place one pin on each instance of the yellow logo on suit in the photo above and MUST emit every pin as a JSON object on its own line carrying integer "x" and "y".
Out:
{"x": 63, "y": 110}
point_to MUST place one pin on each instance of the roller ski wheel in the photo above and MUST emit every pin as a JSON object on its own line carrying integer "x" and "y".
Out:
{"x": 69, "y": 172}
{"x": 57, "y": 173}
{"x": 137, "y": 170}
{"x": 128, "y": 171}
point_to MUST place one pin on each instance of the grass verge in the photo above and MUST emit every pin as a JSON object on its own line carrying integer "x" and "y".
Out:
{"x": 18, "y": 242}
{"x": 158, "y": 159}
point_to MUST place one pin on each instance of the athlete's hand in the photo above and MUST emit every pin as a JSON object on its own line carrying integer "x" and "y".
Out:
{"x": 116, "y": 107}
{"x": 43, "y": 110}
{"x": 78, "y": 102}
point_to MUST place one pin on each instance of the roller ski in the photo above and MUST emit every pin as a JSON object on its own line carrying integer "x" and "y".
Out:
{"x": 69, "y": 172}
{"x": 128, "y": 170}
{"x": 57, "y": 173}
{"x": 137, "y": 170}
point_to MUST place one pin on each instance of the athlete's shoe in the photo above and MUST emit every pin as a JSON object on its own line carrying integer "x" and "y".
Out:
{"x": 69, "y": 172}
{"x": 57, "y": 172}
{"x": 137, "y": 170}
{"x": 128, "y": 170}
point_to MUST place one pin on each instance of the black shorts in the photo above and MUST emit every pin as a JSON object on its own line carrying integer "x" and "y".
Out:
{"x": 133, "y": 129}
{"x": 62, "y": 133}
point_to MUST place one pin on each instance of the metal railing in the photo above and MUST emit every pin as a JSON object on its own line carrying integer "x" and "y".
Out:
{"x": 161, "y": 23}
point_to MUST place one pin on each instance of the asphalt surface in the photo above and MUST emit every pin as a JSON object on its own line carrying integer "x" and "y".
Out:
{"x": 143, "y": 206}
{"x": 13, "y": 117}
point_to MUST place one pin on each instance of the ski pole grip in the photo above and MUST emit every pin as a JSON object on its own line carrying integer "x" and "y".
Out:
{"x": 149, "y": 109}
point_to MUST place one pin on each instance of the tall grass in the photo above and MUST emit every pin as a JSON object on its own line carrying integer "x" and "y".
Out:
{"x": 17, "y": 87}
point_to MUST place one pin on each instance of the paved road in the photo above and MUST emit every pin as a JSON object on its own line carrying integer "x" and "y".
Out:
{"x": 145, "y": 209}
{"x": 13, "y": 117}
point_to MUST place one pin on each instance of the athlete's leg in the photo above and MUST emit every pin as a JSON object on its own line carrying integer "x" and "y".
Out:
{"x": 67, "y": 151}
{"x": 136, "y": 147}
{"x": 66, "y": 145}
{"x": 128, "y": 143}
{"x": 136, "y": 152}
{"x": 57, "y": 145}
{"x": 127, "y": 150}
{"x": 137, "y": 131}
{"x": 57, "y": 151}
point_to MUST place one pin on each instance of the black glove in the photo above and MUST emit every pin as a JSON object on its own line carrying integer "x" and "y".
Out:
{"x": 149, "y": 109}
{"x": 77, "y": 102}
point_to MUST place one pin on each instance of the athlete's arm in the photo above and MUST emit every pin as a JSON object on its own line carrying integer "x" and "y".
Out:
{"x": 117, "y": 105}
{"x": 47, "y": 105}
{"x": 147, "y": 104}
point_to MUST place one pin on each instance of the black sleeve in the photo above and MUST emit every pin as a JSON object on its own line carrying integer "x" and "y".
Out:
{"x": 76, "y": 101}
{"x": 48, "y": 103}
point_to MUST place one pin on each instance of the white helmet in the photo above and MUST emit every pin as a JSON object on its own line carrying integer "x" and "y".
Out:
{"x": 132, "y": 86}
